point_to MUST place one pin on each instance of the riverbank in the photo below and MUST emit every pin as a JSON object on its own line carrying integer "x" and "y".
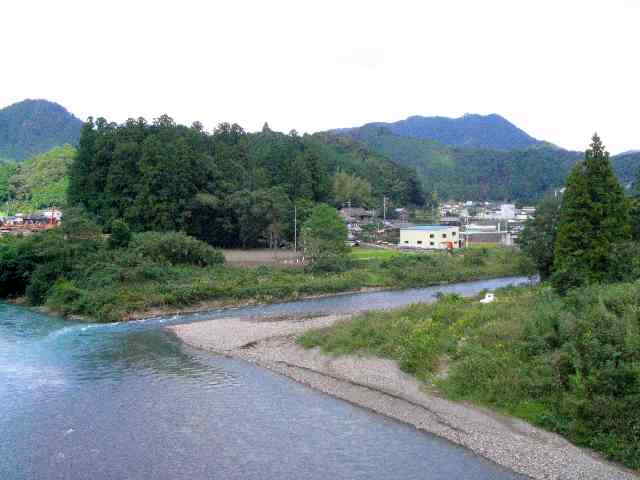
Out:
{"x": 379, "y": 385}
{"x": 163, "y": 273}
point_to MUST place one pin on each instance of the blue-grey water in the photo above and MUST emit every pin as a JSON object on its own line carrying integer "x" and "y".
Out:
{"x": 128, "y": 401}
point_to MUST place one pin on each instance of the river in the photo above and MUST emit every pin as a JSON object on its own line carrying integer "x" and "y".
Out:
{"x": 128, "y": 401}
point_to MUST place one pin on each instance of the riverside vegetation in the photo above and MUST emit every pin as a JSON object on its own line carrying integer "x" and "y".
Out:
{"x": 75, "y": 271}
{"x": 142, "y": 183}
{"x": 568, "y": 364}
{"x": 565, "y": 354}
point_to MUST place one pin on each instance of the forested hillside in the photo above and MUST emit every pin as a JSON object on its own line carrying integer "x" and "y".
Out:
{"x": 36, "y": 183}
{"x": 229, "y": 188}
{"x": 469, "y": 131}
{"x": 482, "y": 174}
{"x": 31, "y": 127}
{"x": 627, "y": 167}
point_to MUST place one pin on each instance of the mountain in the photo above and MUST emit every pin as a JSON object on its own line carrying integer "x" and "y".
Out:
{"x": 628, "y": 152}
{"x": 482, "y": 174}
{"x": 627, "y": 167}
{"x": 469, "y": 131}
{"x": 31, "y": 127}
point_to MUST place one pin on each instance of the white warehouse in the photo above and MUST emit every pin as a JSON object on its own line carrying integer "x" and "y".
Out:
{"x": 440, "y": 237}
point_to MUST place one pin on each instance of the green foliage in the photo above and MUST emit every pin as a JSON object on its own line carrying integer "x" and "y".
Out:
{"x": 38, "y": 182}
{"x": 324, "y": 235}
{"x": 519, "y": 173}
{"x": 472, "y": 173}
{"x": 634, "y": 217}
{"x": 32, "y": 263}
{"x": 594, "y": 218}
{"x": 31, "y": 127}
{"x": 228, "y": 189}
{"x": 18, "y": 260}
{"x": 539, "y": 235}
{"x": 175, "y": 248}
{"x": 569, "y": 364}
{"x": 120, "y": 235}
{"x": 7, "y": 170}
{"x": 387, "y": 178}
{"x": 74, "y": 271}
{"x": 352, "y": 189}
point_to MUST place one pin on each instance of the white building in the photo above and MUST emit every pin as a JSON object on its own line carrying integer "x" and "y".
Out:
{"x": 440, "y": 237}
{"x": 507, "y": 210}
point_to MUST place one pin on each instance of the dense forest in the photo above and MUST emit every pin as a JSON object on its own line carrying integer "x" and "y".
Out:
{"x": 469, "y": 131}
{"x": 36, "y": 183}
{"x": 481, "y": 174}
{"x": 31, "y": 127}
{"x": 230, "y": 188}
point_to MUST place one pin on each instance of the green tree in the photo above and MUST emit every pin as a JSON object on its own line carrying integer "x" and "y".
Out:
{"x": 120, "y": 234}
{"x": 324, "y": 235}
{"x": 634, "y": 208}
{"x": 539, "y": 235}
{"x": 594, "y": 217}
{"x": 350, "y": 188}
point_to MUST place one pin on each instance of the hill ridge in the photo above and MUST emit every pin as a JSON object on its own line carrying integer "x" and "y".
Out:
{"x": 470, "y": 130}
{"x": 34, "y": 126}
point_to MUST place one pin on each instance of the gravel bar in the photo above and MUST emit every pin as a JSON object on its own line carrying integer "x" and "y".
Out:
{"x": 379, "y": 385}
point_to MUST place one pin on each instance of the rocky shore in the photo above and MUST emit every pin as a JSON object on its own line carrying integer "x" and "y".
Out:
{"x": 379, "y": 385}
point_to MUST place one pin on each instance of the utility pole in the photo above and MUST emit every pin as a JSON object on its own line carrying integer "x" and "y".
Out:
{"x": 384, "y": 209}
{"x": 295, "y": 227}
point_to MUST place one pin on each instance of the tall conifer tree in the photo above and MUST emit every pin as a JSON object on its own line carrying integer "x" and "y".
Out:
{"x": 594, "y": 217}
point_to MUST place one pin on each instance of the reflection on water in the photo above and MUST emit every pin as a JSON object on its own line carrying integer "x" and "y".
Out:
{"x": 129, "y": 401}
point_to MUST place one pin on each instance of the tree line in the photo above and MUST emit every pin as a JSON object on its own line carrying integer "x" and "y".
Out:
{"x": 229, "y": 188}
{"x": 589, "y": 234}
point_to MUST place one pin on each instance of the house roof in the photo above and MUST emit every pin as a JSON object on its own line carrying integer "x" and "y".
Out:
{"x": 429, "y": 227}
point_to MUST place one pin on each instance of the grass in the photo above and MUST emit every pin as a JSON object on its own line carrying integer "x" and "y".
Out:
{"x": 368, "y": 253}
{"x": 484, "y": 245}
{"x": 571, "y": 365}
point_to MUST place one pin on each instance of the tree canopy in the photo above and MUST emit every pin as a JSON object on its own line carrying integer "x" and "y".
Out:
{"x": 230, "y": 188}
{"x": 39, "y": 182}
{"x": 594, "y": 220}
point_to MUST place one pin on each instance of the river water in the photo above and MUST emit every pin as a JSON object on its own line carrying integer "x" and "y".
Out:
{"x": 128, "y": 401}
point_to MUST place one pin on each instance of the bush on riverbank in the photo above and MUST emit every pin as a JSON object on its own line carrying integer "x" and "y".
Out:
{"x": 78, "y": 272}
{"x": 571, "y": 365}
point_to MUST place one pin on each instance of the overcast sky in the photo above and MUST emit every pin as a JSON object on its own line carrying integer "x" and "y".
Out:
{"x": 558, "y": 69}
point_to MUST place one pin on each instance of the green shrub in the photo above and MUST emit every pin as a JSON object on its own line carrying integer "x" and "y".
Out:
{"x": 328, "y": 262}
{"x": 65, "y": 297}
{"x": 475, "y": 258}
{"x": 120, "y": 235}
{"x": 176, "y": 248}
{"x": 570, "y": 364}
{"x": 42, "y": 279}
{"x": 18, "y": 260}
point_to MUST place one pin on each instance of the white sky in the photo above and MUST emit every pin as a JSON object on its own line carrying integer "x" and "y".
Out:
{"x": 558, "y": 69}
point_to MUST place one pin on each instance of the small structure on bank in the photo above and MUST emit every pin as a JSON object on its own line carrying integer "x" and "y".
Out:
{"x": 488, "y": 298}
{"x": 436, "y": 237}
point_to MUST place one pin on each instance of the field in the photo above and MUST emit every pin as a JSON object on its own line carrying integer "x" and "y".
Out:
{"x": 264, "y": 256}
{"x": 370, "y": 253}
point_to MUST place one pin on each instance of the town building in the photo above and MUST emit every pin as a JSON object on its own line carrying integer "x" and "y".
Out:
{"x": 438, "y": 237}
